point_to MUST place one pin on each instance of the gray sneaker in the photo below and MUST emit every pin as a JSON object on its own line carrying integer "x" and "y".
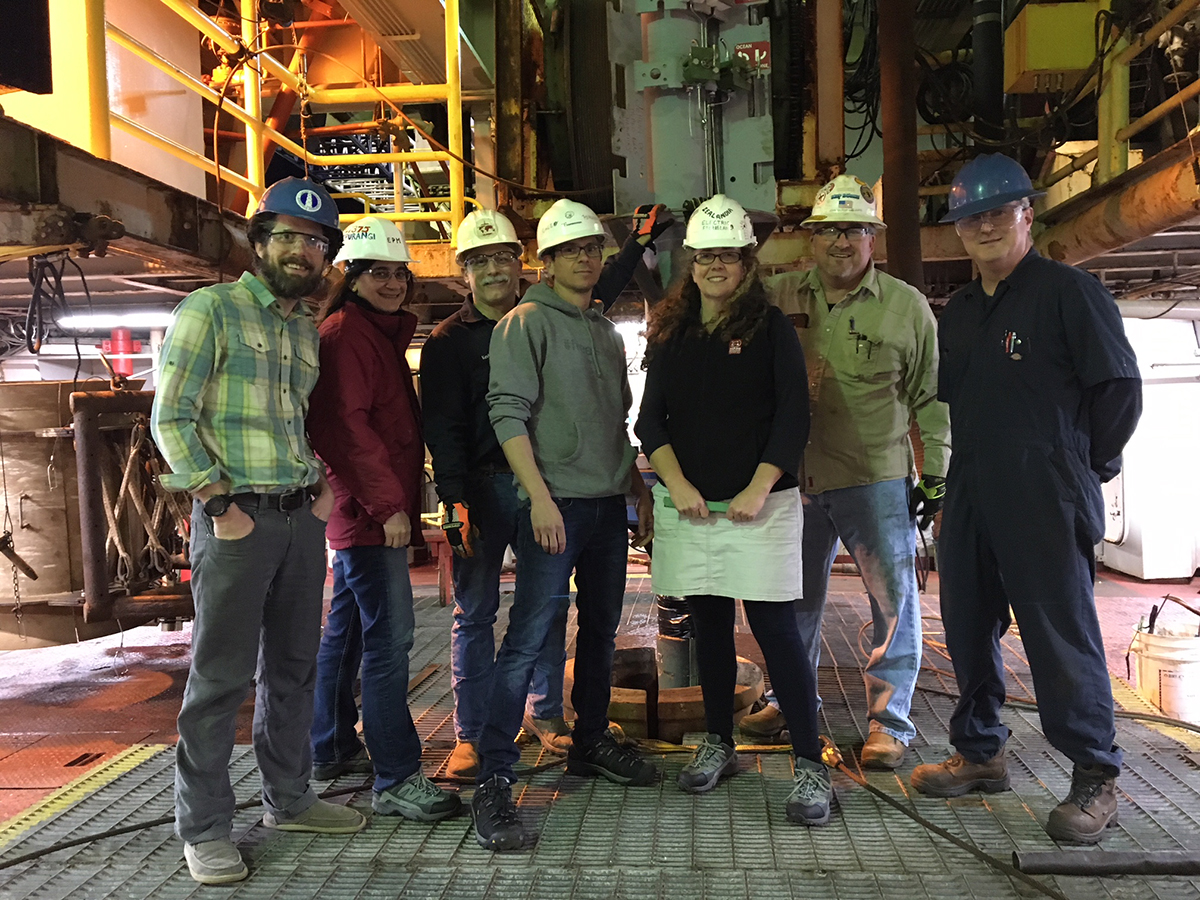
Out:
{"x": 215, "y": 862}
{"x": 812, "y": 793}
{"x": 712, "y": 761}
{"x": 416, "y": 798}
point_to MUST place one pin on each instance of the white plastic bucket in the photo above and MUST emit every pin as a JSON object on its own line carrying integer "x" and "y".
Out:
{"x": 1168, "y": 673}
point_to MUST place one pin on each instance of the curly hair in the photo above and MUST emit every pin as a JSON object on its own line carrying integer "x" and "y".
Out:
{"x": 354, "y": 269}
{"x": 678, "y": 313}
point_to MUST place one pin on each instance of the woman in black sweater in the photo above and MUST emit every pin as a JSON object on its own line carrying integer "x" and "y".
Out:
{"x": 724, "y": 421}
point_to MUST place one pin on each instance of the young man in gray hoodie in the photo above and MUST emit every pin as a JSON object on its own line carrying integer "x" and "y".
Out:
{"x": 559, "y": 399}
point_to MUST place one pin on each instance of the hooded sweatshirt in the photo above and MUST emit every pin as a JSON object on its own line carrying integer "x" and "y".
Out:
{"x": 558, "y": 376}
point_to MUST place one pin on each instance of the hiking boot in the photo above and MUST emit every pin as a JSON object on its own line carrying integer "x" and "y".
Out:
{"x": 554, "y": 733}
{"x": 322, "y": 817}
{"x": 215, "y": 862}
{"x": 416, "y": 798}
{"x": 618, "y": 763}
{"x": 463, "y": 764}
{"x": 496, "y": 824}
{"x": 712, "y": 761}
{"x": 958, "y": 775}
{"x": 358, "y": 763}
{"x": 768, "y": 722}
{"x": 812, "y": 793}
{"x": 882, "y": 751}
{"x": 1090, "y": 807}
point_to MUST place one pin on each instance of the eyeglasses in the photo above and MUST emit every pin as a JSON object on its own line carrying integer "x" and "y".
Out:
{"x": 851, "y": 233}
{"x": 592, "y": 251}
{"x": 707, "y": 257}
{"x": 300, "y": 239}
{"x": 480, "y": 261}
{"x": 1001, "y": 219}
{"x": 383, "y": 274}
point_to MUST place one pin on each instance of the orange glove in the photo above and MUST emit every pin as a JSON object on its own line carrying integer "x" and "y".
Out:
{"x": 456, "y": 523}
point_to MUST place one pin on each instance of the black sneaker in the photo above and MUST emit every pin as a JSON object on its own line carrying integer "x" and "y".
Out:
{"x": 358, "y": 763}
{"x": 618, "y": 763}
{"x": 496, "y": 824}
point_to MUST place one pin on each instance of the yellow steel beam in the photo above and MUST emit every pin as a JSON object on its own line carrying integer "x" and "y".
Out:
{"x": 436, "y": 215}
{"x": 180, "y": 152}
{"x": 1112, "y": 113}
{"x": 100, "y": 132}
{"x": 1163, "y": 109}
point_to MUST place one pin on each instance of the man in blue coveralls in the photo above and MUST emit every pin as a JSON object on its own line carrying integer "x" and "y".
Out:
{"x": 1044, "y": 392}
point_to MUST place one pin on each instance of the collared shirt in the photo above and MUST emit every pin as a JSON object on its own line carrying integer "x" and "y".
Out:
{"x": 234, "y": 378}
{"x": 1016, "y": 366}
{"x": 872, "y": 368}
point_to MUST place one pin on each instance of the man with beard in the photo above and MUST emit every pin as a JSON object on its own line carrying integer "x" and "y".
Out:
{"x": 475, "y": 482}
{"x": 234, "y": 378}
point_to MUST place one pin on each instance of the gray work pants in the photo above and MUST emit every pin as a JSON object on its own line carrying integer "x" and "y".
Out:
{"x": 258, "y": 619}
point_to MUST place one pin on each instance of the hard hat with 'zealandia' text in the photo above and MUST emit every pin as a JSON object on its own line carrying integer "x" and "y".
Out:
{"x": 566, "y": 221}
{"x": 482, "y": 228}
{"x": 845, "y": 199}
{"x": 375, "y": 239}
{"x": 719, "y": 222}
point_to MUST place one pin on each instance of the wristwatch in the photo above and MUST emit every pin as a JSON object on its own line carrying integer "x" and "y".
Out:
{"x": 217, "y": 505}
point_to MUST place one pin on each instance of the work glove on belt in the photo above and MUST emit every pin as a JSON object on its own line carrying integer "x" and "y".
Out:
{"x": 650, "y": 220}
{"x": 456, "y": 524}
{"x": 925, "y": 499}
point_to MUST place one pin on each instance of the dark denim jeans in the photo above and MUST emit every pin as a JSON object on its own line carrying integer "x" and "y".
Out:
{"x": 370, "y": 621}
{"x": 596, "y": 551}
{"x": 494, "y": 512}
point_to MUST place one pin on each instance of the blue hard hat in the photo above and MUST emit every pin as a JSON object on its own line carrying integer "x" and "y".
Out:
{"x": 302, "y": 198}
{"x": 987, "y": 182}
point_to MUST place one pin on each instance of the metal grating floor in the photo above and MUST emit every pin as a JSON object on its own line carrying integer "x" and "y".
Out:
{"x": 609, "y": 843}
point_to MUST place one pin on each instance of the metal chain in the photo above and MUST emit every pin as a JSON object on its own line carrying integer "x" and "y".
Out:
{"x": 17, "y": 611}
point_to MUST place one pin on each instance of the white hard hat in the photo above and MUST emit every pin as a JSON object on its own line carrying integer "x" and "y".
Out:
{"x": 372, "y": 238}
{"x": 482, "y": 227}
{"x": 719, "y": 222}
{"x": 845, "y": 199}
{"x": 566, "y": 221}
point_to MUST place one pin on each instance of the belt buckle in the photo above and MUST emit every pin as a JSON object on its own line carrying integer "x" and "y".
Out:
{"x": 291, "y": 500}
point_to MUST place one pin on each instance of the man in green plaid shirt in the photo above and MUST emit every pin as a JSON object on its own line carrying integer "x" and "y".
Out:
{"x": 235, "y": 373}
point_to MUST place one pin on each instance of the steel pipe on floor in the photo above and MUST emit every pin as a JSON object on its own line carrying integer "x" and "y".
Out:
{"x": 1105, "y": 862}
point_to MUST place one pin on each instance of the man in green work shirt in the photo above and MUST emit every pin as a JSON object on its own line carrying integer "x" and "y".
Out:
{"x": 236, "y": 369}
{"x": 870, "y": 343}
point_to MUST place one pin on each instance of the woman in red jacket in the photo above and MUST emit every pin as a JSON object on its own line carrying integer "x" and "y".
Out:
{"x": 365, "y": 424}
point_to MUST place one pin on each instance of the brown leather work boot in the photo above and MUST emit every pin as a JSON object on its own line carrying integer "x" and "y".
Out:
{"x": 882, "y": 751}
{"x": 463, "y": 764}
{"x": 1089, "y": 809}
{"x": 957, "y": 776}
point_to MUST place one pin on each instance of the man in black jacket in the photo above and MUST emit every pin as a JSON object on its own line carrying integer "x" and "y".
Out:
{"x": 474, "y": 480}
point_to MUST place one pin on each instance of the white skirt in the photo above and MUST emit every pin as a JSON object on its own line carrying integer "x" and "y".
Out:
{"x": 757, "y": 560}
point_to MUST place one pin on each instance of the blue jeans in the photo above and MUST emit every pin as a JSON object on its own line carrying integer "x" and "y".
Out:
{"x": 873, "y": 522}
{"x": 596, "y": 551}
{"x": 370, "y": 621}
{"x": 494, "y": 511}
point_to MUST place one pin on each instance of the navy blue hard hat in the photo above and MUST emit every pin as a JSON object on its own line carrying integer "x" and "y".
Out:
{"x": 987, "y": 182}
{"x": 302, "y": 198}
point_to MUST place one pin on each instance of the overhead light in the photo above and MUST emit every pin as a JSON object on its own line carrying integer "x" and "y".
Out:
{"x": 146, "y": 319}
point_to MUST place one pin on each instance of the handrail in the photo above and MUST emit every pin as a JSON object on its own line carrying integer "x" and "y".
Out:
{"x": 249, "y": 113}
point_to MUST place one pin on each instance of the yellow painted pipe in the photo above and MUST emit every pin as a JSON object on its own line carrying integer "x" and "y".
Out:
{"x": 394, "y": 93}
{"x": 99, "y": 131}
{"x": 432, "y": 216}
{"x": 454, "y": 119}
{"x": 203, "y": 24}
{"x": 252, "y": 93}
{"x": 179, "y": 151}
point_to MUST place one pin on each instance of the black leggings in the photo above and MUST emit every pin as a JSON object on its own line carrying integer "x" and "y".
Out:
{"x": 774, "y": 627}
